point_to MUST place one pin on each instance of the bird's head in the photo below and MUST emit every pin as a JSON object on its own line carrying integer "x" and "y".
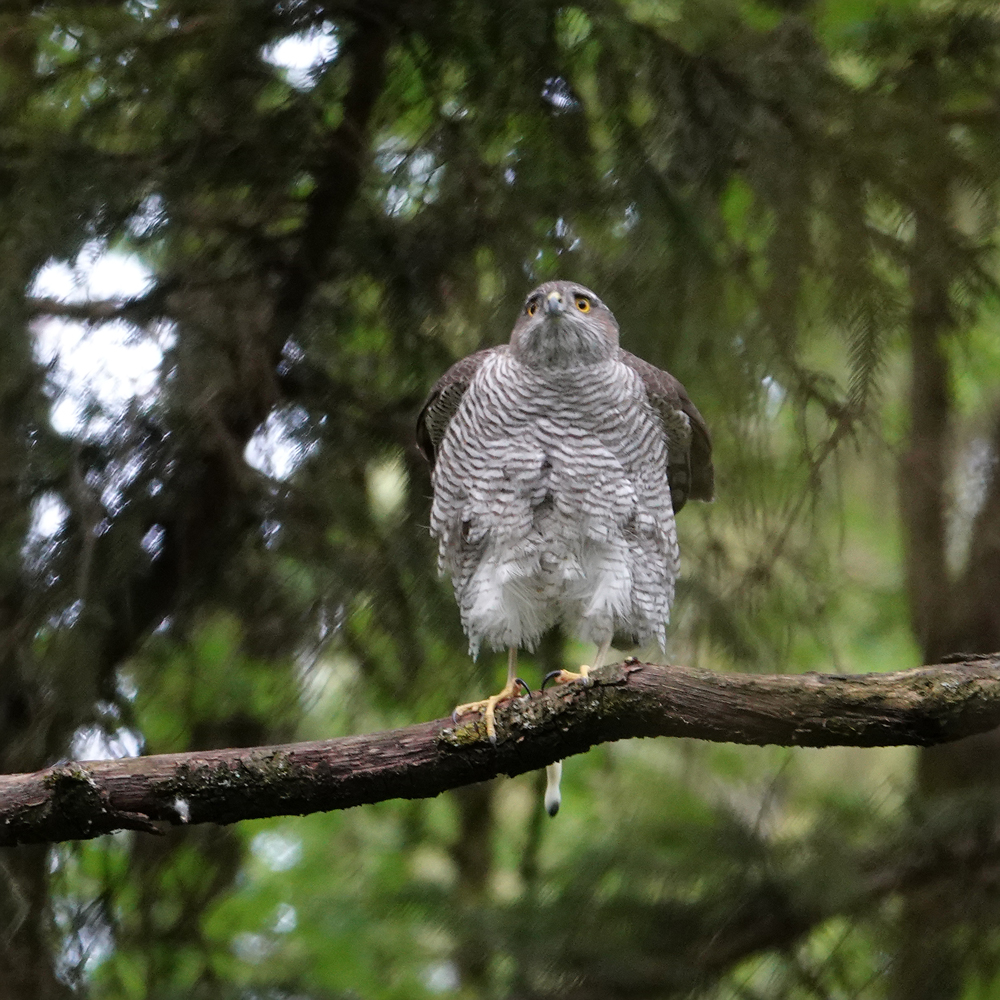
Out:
{"x": 562, "y": 325}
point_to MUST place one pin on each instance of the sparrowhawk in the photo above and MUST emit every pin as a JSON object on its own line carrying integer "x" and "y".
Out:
{"x": 559, "y": 462}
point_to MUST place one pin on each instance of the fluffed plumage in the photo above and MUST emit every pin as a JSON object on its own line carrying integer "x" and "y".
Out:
{"x": 559, "y": 463}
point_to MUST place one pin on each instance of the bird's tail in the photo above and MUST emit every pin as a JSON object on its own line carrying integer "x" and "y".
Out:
{"x": 553, "y": 797}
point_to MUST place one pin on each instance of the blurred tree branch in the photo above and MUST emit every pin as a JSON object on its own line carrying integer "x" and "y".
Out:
{"x": 704, "y": 938}
{"x": 338, "y": 170}
{"x": 139, "y": 310}
{"x": 922, "y": 707}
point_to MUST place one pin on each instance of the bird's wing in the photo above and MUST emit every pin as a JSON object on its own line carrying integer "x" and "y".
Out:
{"x": 690, "y": 469}
{"x": 444, "y": 401}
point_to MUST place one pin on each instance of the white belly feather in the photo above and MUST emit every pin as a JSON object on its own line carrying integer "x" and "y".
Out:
{"x": 551, "y": 504}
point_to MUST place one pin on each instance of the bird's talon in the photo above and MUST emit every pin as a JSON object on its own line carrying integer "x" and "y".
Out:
{"x": 487, "y": 707}
{"x": 568, "y": 676}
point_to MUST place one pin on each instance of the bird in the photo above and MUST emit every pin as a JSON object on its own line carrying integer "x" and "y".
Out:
{"x": 559, "y": 461}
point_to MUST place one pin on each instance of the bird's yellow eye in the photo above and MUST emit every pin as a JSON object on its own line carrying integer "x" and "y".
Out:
{"x": 532, "y": 308}
{"x": 583, "y": 304}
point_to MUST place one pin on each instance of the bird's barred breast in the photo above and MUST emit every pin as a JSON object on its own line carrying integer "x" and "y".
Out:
{"x": 551, "y": 503}
{"x": 593, "y": 408}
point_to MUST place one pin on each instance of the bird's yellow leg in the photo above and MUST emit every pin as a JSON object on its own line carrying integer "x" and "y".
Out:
{"x": 565, "y": 676}
{"x": 488, "y": 705}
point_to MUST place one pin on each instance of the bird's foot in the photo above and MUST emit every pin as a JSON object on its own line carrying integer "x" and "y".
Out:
{"x": 567, "y": 676}
{"x": 487, "y": 707}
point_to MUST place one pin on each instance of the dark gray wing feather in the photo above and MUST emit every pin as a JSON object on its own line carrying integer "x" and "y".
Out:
{"x": 690, "y": 469}
{"x": 444, "y": 400}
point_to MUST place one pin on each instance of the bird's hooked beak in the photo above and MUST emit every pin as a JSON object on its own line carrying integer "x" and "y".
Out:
{"x": 554, "y": 304}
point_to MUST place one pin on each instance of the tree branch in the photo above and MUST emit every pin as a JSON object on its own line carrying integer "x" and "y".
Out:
{"x": 139, "y": 310}
{"x": 921, "y": 707}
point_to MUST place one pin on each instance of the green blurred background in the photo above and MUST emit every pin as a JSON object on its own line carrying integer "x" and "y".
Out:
{"x": 240, "y": 239}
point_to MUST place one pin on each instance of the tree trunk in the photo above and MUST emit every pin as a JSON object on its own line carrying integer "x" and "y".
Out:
{"x": 947, "y": 617}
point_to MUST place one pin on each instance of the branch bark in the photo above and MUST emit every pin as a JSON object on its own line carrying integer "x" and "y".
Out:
{"x": 920, "y": 707}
